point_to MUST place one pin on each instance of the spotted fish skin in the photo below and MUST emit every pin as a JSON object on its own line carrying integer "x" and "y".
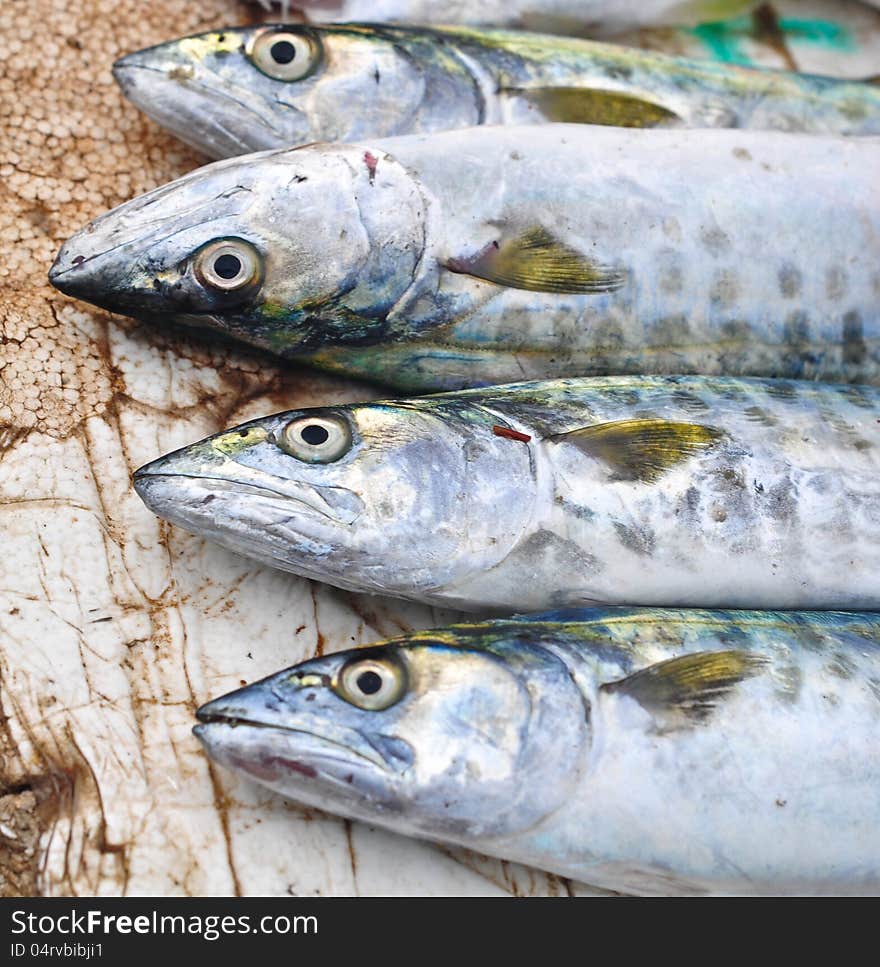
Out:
{"x": 217, "y": 92}
{"x": 640, "y": 750}
{"x": 493, "y": 254}
{"x": 684, "y": 491}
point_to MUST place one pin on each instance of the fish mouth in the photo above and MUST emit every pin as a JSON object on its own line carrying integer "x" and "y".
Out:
{"x": 74, "y": 275}
{"x": 61, "y": 267}
{"x": 289, "y": 525}
{"x": 208, "y": 718}
{"x": 308, "y": 500}
{"x": 205, "y": 111}
{"x": 308, "y": 767}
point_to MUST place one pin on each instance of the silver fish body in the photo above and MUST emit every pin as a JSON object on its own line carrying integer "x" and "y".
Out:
{"x": 668, "y": 491}
{"x": 495, "y": 254}
{"x": 637, "y": 750}
{"x": 225, "y": 93}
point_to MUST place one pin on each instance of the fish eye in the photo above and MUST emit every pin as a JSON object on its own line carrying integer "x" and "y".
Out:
{"x": 316, "y": 439}
{"x": 282, "y": 55}
{"x": 373, "y": 684}
{"x": 228, "y": 265}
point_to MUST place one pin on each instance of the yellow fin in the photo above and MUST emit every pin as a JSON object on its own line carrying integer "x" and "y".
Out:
{"x": 685, "y": 690}
{"x": 540, "y": 263}
{"x": 710, "y": 11}
{"x": 641, "y": 449}
{"x": 586, "y": 105}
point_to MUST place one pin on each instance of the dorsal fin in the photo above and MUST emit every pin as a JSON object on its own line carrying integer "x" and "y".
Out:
{"x": 641, "y": 449}
{"x": 685, "y": 691}
{"x": 538, "y": 262}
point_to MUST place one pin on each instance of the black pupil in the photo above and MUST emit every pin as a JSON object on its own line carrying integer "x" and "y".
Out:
{"x": 369, "y": 682}
{"x": 282, "y": 51}
{"x": 227, "y": 266}
{"x": 315, "y": 434}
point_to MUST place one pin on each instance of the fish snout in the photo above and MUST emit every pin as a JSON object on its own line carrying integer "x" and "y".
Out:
{"x": 299, "y": 711}
{"x": 279, "y": 704}
{"x": 194, "y": 461}
{"x": 144, "y": 74}
{"x": 93, "y": 266}
{"x": 243, "y": 705}
{"x": 212, "y": 114}
{"x": 126, "y": 70}
{"x": 77, "y": 273}
{"x": 203, "y": 469}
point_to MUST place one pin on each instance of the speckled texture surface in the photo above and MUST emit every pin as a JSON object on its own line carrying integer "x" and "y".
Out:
{"x": 113, "y": 627}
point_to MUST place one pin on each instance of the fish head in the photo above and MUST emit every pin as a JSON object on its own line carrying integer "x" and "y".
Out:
{"x": 459, "y": 734}
{"x": 393, "y": 498}
{"x": 246, "y": 89}
{"x": 285, "y": 250}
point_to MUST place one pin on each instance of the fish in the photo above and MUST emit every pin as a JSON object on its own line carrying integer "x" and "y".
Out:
{"x": 500, "y": 254}
{"x": 638, "y": 750}
{"x": 653, "y": 491}
{"x": 242, "y": 89}
{"x": 560, "y": 16}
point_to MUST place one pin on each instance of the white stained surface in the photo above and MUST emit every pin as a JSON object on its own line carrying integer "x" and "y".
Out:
{"x": 113, "y": 626}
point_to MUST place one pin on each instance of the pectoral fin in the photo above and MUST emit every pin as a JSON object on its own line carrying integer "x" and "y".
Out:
{"x": 586, "y": 105}
{"x": 540, "y": 263}
{"x": 685, "y": 691}
{"x": 641, "y": 449}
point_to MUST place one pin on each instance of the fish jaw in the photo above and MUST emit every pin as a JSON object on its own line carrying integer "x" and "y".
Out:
{"x": 278, "y": 529}
{"x": 283, "y": 522}
{"x": 179, "y": 90}
{"x": 295, "y": 736}
{"x": 304, "y": 767}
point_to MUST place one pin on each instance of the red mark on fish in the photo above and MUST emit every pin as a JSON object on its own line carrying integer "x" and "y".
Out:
{"x": 505, "y": 431}
{"x": 372, "y": 162}
{"x": 269, "y": 767}
{"x": 301, "y": 767}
